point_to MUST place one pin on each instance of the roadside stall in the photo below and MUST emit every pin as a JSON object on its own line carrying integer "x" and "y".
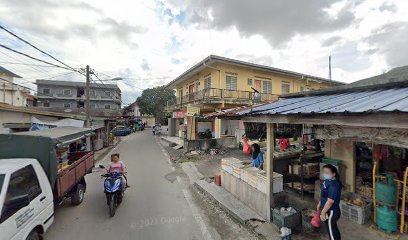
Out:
{"x": 362, "y": 132}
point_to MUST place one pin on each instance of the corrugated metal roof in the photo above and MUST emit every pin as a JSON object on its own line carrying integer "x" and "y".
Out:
{"x": 232, "y": 111}
{"x": 58, "y": 133}
{"x": 385, "y": 100}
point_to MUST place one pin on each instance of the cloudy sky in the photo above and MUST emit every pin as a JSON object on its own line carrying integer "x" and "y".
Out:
{"x": 150, "y": 42}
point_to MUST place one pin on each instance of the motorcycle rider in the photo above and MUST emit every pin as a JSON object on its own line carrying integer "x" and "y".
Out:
{"x": 116, "y": 165}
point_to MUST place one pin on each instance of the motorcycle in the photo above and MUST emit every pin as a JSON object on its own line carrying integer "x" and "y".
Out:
{"x": 156, "y": 130}
{"x": 114, "y": 190}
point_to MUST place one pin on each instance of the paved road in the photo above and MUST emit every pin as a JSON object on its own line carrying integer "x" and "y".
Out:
{"x": 153, "y": 208}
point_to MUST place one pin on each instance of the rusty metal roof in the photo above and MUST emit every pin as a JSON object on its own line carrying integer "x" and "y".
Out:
{"x": 383, "y": 100}
{"x": 232, "y": 111}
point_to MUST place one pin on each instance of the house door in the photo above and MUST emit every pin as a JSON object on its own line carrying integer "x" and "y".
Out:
{"x": 257, "y": 86}
{"x": 191, "y": 92}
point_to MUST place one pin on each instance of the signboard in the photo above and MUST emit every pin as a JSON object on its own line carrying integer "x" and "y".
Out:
{"x": 179, "y": 114}
{"x": 193, "y": 111}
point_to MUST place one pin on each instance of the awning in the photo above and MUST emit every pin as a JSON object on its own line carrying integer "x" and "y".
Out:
{"x": 60, "y": 135}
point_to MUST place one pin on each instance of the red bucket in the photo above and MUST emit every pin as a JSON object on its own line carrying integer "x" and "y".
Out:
{"x": 217, "y": 180}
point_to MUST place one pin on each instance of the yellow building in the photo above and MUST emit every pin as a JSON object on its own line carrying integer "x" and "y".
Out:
{"x": 218, "y": 83}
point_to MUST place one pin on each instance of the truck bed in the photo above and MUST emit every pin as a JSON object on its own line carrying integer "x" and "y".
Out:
{"x": 82, "y": 163}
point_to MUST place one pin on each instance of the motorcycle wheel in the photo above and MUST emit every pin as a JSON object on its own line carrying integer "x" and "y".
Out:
{"x": 112, "y": 205}
{"x": 120, "y": 198}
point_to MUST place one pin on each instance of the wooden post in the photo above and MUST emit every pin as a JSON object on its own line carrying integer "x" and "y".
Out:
{"x": 270, "y": 148}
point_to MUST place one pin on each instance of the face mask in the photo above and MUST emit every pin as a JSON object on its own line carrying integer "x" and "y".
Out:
{"x": 326, "y": 176}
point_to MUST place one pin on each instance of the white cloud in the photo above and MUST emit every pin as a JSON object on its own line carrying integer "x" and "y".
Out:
{"x": 151, "y": 42}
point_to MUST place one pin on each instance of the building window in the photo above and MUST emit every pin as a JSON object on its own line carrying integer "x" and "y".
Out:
{"x": 285, "y": 88}
{"x": 67, "y": 105}
{"x": 250, "y": 82}
{"x": 231, "y": 83}
{"x": 267, "y": 87}
{"x": 67, "y": 92}
{"x": 197, "y": 87}
{"x": 46, "y": 91}
{"x": 107, "y": 106}
{"x": 207, "y": 83}
{"x": 46, "y": 104}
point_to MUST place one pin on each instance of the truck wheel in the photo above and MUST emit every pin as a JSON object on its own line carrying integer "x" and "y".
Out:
{"x": 78, "y": 195}
{"x": 34, "y": 235}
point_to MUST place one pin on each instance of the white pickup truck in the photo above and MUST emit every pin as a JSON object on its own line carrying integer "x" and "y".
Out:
{"x": 33, "y": 180}
{"x": 26, "y": 200}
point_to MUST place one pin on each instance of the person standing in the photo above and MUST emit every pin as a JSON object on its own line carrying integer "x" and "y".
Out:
{"x": 329, "y": 205}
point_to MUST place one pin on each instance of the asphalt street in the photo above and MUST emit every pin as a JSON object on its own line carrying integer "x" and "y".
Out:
{"x": 153, "y": 208}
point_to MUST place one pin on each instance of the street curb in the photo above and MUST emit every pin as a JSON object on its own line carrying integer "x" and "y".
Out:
{"x": 107, "y": 151}
{"x": 255, "y": 229}
{"x": 222, "y": 206}
{"x": 207, "y": 194}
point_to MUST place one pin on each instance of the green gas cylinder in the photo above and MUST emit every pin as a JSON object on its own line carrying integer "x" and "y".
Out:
{"x": 387, "y": 219}
{"x": 386, "y": 191}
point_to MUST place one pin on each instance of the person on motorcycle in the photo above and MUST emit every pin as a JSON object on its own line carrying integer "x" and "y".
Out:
{"x": 116, "y": 165}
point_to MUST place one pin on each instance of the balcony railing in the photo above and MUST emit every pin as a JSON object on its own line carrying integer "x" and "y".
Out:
{"x": 218, "y": 95}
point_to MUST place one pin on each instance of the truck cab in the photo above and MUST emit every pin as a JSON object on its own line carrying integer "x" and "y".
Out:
{"x": 26, "y": 200}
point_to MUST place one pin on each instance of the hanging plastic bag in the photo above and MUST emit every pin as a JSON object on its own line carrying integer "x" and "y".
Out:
{"x": 316, "y": 220}
{"x": 246, "y": 148}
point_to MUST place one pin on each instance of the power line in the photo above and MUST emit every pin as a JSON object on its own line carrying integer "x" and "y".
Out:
{"x": 26, "y": 55}
{"x": 46, "y": 74}
{"x": 17, "y": 84}
{"x": 50, "y": 77}
{"x": 28, "y": 43}
{"x": 17, "y": 59}
{"x": 35, "y": 91}
{"x": 98, "y": 86}
{"x": 27, "y": 64}
{"x": 96, "y": 75}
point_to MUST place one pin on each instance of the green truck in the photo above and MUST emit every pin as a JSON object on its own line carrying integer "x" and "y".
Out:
{"x": 39, "y": 169}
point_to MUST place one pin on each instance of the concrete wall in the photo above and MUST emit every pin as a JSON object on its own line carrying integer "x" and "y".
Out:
{"x": 99, "y": 97}
{"x": 58, "y": 90}
{"x": 344, "y": 150}
{"x": 228, "y": 127}
{"x": 202, "y": 144}
{"x": 13, "y": 97}
{"x": 60, "y": 103}
{"x": 249, "y": 195}
{"x": 17, "y": 117}
{"x": 203, "y": 126}
{"x": 12, "y": 94}
{"x": 151, "y": 121}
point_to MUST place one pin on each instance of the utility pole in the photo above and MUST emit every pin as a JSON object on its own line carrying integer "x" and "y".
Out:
{"x": 88, "y": 100}
{"x": 330, "y": 78}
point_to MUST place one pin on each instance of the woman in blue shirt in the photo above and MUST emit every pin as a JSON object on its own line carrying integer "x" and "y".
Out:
{"x": 329, "y": 205}
{"x": 256, "y": 156}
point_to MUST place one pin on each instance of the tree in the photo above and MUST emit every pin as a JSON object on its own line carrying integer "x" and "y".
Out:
{"x": 153, "y": 100}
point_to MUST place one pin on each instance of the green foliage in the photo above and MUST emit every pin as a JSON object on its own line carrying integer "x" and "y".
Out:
{"x": 153, "y": 100}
